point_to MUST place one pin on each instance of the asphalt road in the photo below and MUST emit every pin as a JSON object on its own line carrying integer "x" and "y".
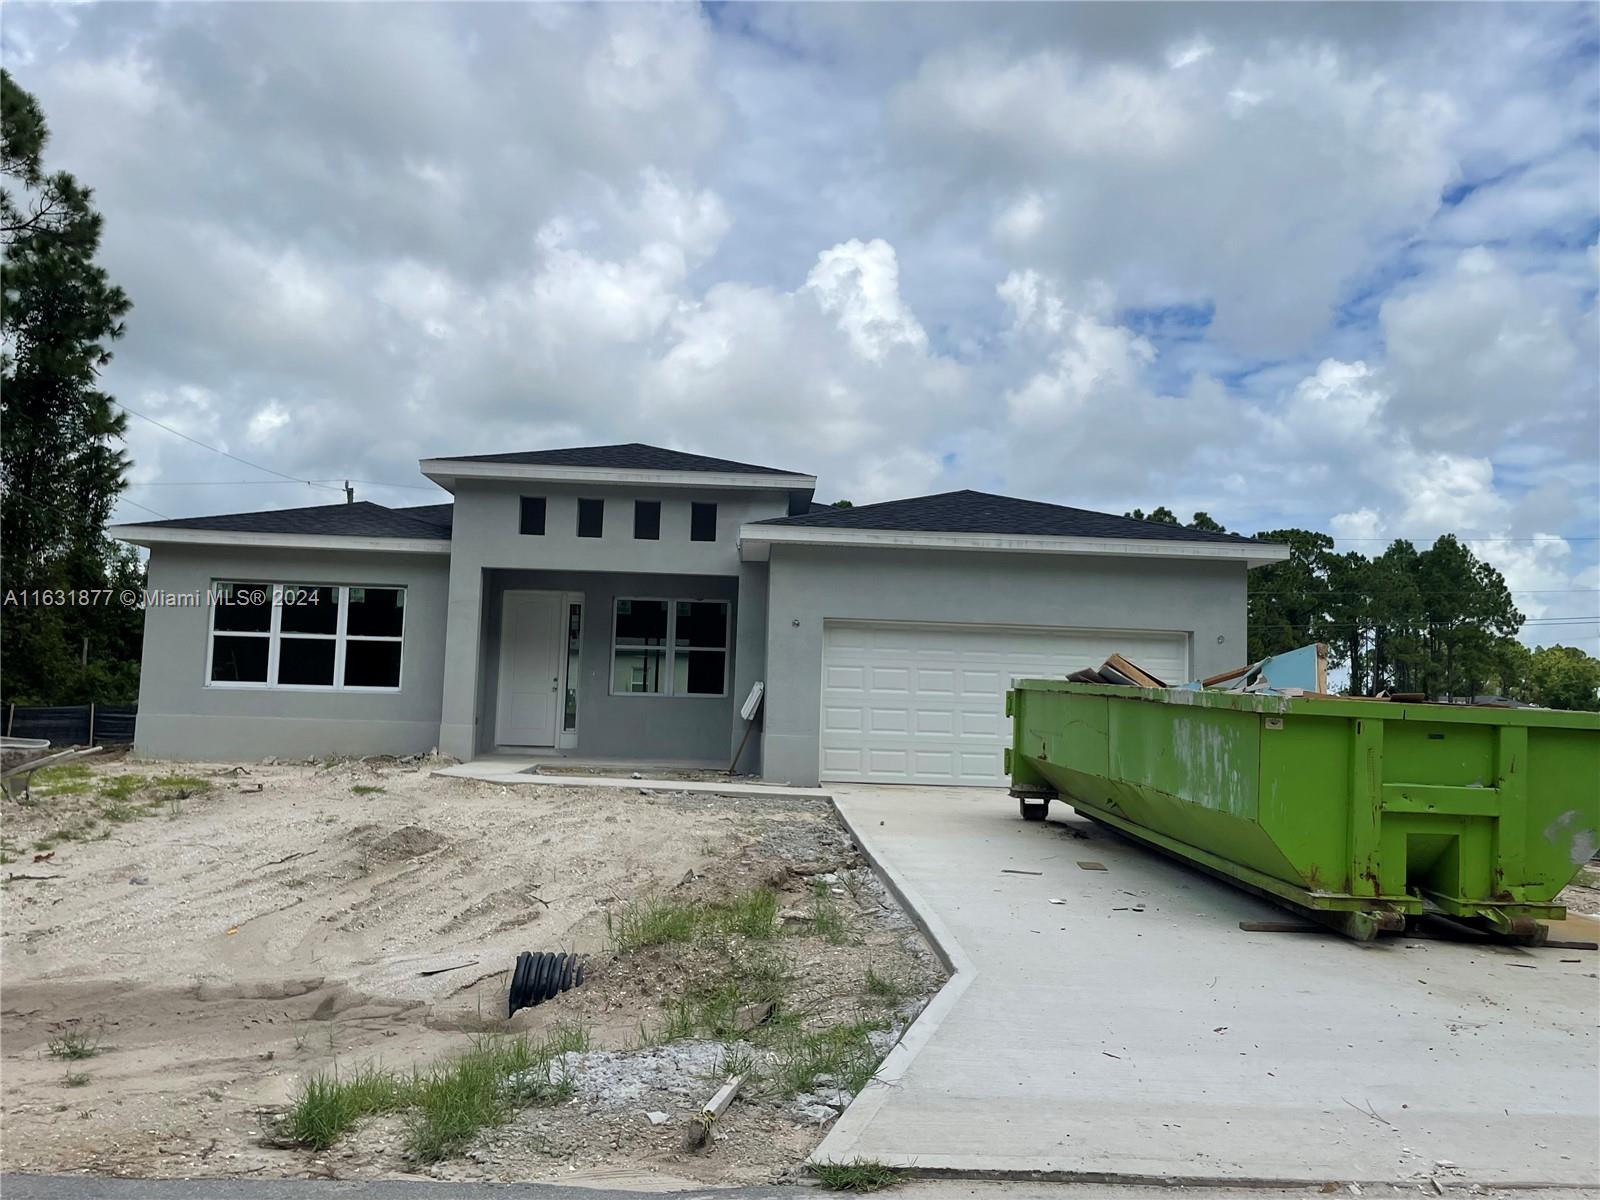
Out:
{"x": 83, "y": 1187}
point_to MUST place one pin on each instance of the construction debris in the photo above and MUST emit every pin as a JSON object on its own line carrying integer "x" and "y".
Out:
{"x": 1302, "y": 671}
{"x": 1294, "y": 672}
{"x": 703, "y": 1122}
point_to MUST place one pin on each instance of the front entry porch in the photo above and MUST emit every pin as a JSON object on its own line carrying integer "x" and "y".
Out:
{"x": 608, "y": 666}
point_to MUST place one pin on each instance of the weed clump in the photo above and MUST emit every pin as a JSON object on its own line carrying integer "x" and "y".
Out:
{"x": 656, "y": 921}
{"x": 857, "y": 1175}
{"x": 448, "y": 1103}
{"x": 73, "y": 1045}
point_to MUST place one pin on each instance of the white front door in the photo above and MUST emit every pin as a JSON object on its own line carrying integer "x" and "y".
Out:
{"x": 926, "y": 703}
{"x": 531, "y": 645}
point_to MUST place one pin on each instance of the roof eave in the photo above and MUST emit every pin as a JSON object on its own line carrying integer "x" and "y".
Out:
{"x": 151, "y": 535}
{"x": 447, "y": 471}
{"x": 756, "y": 541}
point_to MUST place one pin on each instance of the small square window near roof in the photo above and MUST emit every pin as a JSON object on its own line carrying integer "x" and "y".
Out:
{"x": 532, "y": 515}
{"x": 647, "y": 520}
{"x": 591, "y": 518}
{"x": 702, "y": 522}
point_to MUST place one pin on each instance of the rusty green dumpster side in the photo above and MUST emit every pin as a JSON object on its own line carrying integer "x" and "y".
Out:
{"x": 1360, "y": 811}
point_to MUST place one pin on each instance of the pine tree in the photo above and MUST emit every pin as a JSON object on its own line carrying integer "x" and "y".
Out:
{"x": 60, "y": 469}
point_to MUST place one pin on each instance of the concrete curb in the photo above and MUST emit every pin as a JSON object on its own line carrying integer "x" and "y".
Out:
{"x": 841, "y": 1139}
{"x": 743, "y": 791}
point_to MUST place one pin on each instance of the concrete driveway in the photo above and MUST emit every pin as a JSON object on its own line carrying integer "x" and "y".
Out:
{"x": 1132, "y": 1030}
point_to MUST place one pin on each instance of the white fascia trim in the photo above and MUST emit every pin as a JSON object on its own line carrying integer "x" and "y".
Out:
{"x": 149, "y": 535}
{"x": 755, "y": 542}
{"x": 445, "y": 471}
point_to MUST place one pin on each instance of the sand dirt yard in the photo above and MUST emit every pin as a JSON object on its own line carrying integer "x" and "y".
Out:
{"x": 209, "y": 938}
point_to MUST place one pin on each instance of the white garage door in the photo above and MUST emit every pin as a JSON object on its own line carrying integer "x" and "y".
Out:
{"x": 926, "y": 703}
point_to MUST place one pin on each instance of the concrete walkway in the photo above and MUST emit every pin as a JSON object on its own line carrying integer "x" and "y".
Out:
{"x": 1134, "y": 1031}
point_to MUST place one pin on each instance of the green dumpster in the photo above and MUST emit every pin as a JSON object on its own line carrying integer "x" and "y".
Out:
{"x": 1361, "y": 813}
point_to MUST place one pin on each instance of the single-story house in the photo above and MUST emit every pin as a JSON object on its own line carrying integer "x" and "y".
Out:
{"x": 623, "y": 602}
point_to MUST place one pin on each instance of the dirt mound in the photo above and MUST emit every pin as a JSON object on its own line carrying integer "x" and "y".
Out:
{"x": 397, "y": 845}
{"x": 293, "y": 920}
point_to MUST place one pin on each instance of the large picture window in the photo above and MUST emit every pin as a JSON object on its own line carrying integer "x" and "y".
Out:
{"x": 312, "y": 636}
{"x": 670, "y": 647}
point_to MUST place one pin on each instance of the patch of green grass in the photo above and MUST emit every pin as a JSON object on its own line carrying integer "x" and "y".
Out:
{"x": 857, "y": 1175}
{"x": 44, "y": 846}
{"x": 366, "y": 789}
{"x": 485, "y": 1086}
{"x": 82, "y": 831}
{"x": 185, "y": 783}
{"x": 651, "y": 922}
{"x": 74, "y": 1044}
{"x": 737, "y": 1059}
{"x": 752, "y": 915}
{"x": 827, "y": 918}
{"x": 884, "y": 988}
{"x": 118, "y": 788}
{"x": 76, "y": 1079}
{"x": 751, "y": 976}
{"x": 656, "y": 921}
{"x": 117, "y": 812}
{"x": 843, "y": 1051}
{"x": 448, "y": 1104}
{"x": 69, "y": 779}
{"x": 327, "y": 1105}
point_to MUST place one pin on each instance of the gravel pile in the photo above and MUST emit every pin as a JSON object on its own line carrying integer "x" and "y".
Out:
{"x": 683, "y": 1070}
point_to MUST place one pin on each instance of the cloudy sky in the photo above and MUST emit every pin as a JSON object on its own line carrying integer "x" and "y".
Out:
{"x": 1332, "y": 266}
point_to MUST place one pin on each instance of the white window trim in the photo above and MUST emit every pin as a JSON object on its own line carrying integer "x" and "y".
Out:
{"x": 275, "y": 634}
{"x": 671, "y": 648}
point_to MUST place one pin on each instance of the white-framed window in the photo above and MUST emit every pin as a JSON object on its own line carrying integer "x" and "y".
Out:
{"x": 305, "y": 636}
{"x": 669, "y": 647}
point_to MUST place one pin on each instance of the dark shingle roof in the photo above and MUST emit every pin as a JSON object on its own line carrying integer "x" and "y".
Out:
{"x": 361, "y": 519}
{"x": 629, "y": 456}
{"x": 440, "y": 515}
{"x": 981, "y": 512}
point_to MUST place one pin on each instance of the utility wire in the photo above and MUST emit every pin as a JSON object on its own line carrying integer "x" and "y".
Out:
{"x": 217, "y": 450}
{"x": 414, "y": 487}
{"x": 144, "y": 507}
{"x": 38, "y": 503}
{"x": 217, "y": 482}
{"x": 1466, "y": 537}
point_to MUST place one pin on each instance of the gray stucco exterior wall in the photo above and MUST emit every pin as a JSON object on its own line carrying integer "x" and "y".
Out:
{"x": 486, "y": 539}
{"x": 809, "y": 585}
{"x": 644, "y": 727}
{"x": 181, "y": 717}
{"x": 750, "y": 662}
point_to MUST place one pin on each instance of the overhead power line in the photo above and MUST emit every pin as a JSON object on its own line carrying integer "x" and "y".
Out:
{"x": 413, "y": 487}
{"x": 217, "y": 450}
{"x": 38, "y": 503}
{"x": 143, "y": 507}
{"x": 1442, "y": 596}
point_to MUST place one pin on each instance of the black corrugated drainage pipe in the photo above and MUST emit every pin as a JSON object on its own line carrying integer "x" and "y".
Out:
{"x": 540, "y": 977}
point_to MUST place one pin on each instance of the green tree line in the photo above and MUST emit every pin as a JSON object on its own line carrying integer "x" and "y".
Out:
{"x": 1438, "y": 621}
{"x": 61, "y": 468}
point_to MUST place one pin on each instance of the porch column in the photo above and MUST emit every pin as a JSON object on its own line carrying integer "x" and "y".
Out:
{"x": 458, "y": 721}
{"x": 749, "y": 658}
